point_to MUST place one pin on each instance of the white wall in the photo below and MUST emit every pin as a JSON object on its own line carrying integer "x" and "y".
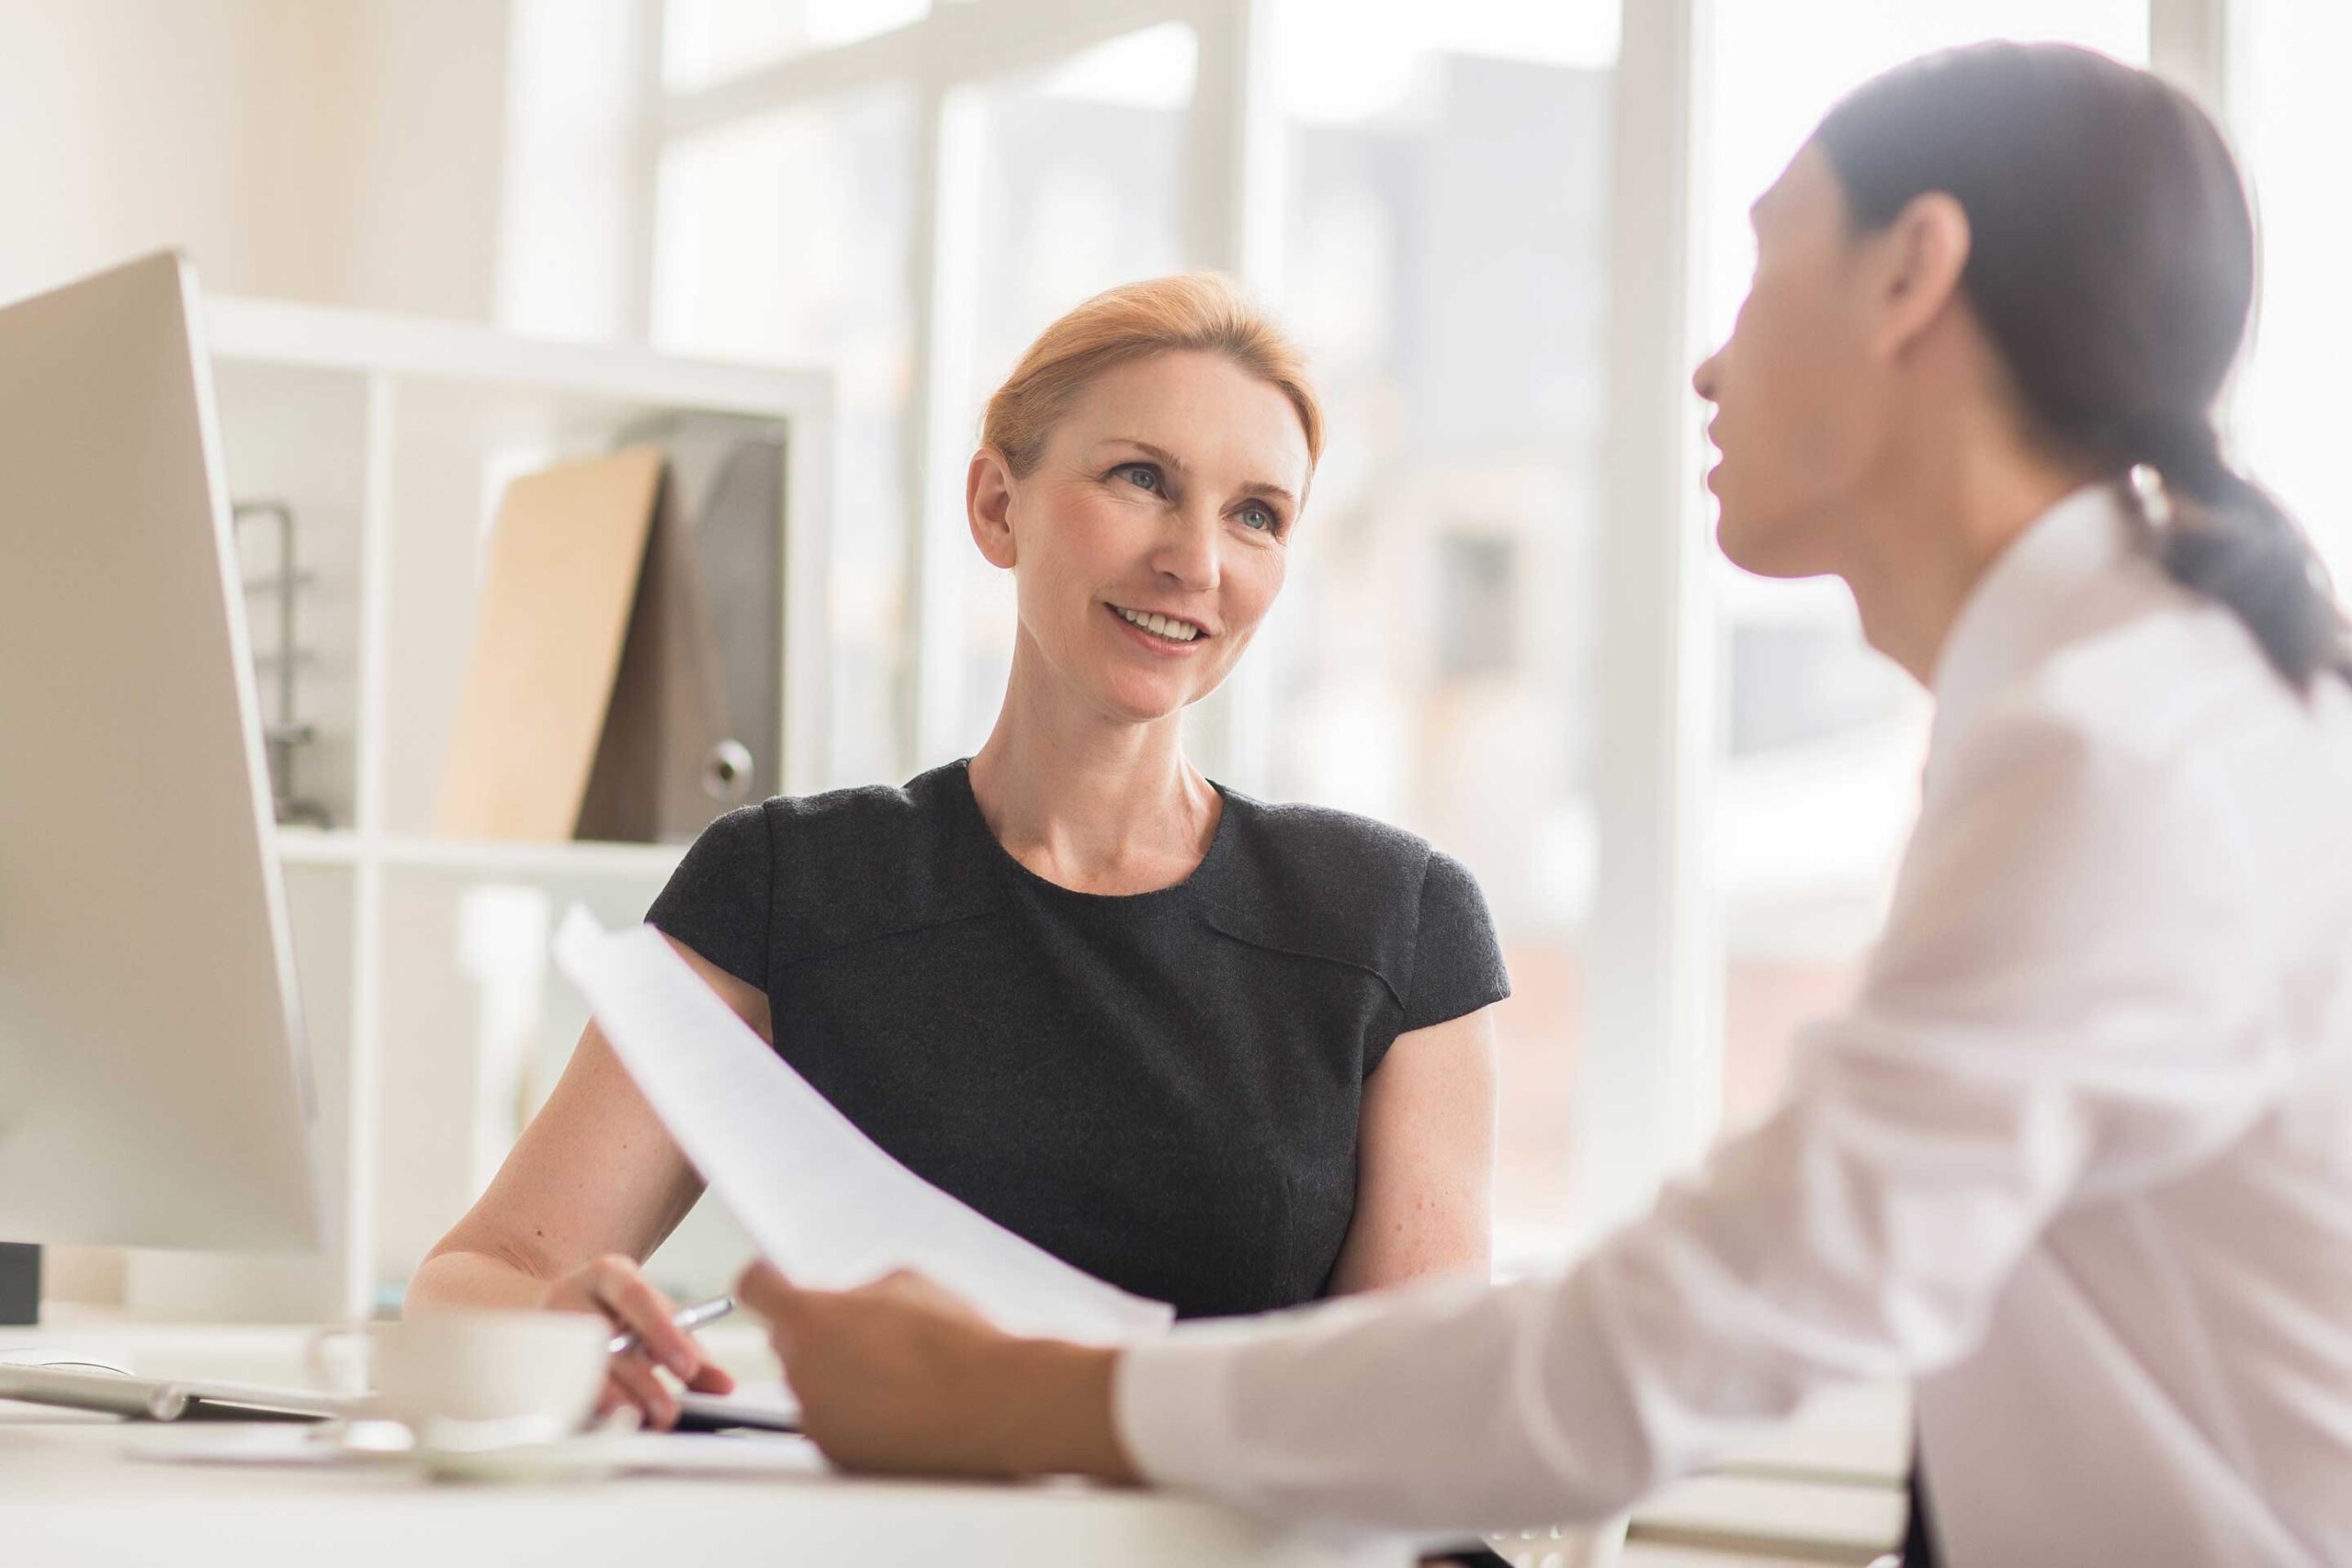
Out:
{"x": 573, "y": 245}
{"x": 347, "y": 151}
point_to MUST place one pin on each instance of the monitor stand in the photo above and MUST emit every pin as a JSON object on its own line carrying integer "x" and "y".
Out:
{"x": 19, "y": 1284}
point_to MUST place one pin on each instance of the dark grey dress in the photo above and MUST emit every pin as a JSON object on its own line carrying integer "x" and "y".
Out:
{"x": 1163, "y": 1089}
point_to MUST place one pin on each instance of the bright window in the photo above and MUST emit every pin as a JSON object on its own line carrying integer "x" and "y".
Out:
{"x": 2293, "y": 124}
{"x": 1429, "y": 204}
{"x": 708, "y": 40}
{"x": 1445, "y": 255}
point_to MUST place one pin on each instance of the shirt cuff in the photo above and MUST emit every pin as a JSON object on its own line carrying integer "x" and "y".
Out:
{"x": 1168, "y": 1399}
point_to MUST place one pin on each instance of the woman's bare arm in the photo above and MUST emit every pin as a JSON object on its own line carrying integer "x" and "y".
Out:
{"x": 593, "y": 1186}
{"x": 1425, "y": 1158}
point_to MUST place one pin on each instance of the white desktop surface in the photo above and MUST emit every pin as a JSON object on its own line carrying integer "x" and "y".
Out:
{"x": 73, "y": 1494}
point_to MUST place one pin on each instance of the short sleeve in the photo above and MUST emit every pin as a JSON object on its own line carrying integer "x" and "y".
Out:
{"x": 717, "y": 901}
{"x": 1457, "y": 960}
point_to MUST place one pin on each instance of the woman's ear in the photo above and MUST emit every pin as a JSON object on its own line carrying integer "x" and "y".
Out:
{"x": 988, "y": 505}
{"x": 1923, "y": 255}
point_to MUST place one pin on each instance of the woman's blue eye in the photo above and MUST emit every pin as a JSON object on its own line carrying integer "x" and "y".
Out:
{"x": 1260, "y": 518}
{"x": 1143, "y": 476}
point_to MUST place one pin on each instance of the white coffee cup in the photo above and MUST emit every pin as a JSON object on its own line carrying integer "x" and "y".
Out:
{"x": 540, "y": 1371}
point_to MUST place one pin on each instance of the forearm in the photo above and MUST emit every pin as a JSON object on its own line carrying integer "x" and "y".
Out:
{"x": 1056, "y": 1416}
{"x": 458, "y": 1278}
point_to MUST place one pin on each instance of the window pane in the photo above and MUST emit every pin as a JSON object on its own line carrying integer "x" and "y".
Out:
{"x": 708, "y": 41}
{"x": 785, "y": 239}
{"x": 1055, "y": 184}
{"x": 1446, "y": 258}
{"x": 1818, "y": 783}
{"x": 2293, "y": 123}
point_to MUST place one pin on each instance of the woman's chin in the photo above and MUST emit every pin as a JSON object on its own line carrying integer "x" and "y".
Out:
{"x": 1764, "y": 549}
{"x": 1736, "y": 547}
{"x": 1147, "y": 702}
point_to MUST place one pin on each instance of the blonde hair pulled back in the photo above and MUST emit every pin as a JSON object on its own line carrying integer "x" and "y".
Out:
{"x": 1201, "y": 313}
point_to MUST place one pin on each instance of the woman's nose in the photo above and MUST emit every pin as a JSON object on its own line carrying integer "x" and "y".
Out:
{"x": 1187, "y": 550}
{"x": 1703, "y": 380}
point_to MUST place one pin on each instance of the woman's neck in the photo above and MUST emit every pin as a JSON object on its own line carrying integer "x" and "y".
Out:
{"x": 1924, "y": 536}
{"x": 1093, "y": 803}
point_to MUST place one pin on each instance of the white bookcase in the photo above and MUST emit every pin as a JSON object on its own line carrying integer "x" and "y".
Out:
{"x": 392, "y": 440}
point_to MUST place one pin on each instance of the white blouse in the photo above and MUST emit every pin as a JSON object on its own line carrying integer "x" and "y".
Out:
{"x": 2078, "y": 1159}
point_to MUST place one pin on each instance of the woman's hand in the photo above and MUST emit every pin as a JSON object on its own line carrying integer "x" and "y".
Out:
{"x": 613, "y": 1286}
{"x": 899, "y": 1375}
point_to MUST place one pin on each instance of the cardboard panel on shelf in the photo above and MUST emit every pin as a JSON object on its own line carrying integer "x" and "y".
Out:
{"x": 566, "y": 554}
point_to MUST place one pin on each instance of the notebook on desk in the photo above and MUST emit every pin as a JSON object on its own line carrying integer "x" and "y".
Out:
{"x": 88, "y": 1386}
{"x": 164, "y": 1399}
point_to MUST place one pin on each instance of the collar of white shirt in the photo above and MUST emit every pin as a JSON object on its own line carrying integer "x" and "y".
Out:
{"x": 2019, "y": 612}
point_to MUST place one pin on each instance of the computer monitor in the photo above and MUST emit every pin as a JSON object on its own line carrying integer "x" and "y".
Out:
{"x": 154, "y": 1081}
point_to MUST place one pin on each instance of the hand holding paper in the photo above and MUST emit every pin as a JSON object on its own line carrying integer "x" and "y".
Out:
{"x": 823, "y": 1202}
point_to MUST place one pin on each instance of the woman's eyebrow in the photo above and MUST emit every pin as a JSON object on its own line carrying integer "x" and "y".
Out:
{"x": 1253, "y": 486}
{"x": 1162, "y": 453}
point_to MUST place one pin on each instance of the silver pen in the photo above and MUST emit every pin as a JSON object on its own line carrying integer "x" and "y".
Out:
{"x": 688, "y": 1319}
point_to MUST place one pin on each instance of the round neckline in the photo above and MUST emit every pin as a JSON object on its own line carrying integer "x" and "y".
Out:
{"x": 979, "y": 822}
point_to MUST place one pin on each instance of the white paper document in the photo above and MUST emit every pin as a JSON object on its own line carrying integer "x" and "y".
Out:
{"x": 823, "y": 1202}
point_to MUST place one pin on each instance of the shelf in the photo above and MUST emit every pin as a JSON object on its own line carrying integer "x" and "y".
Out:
{"x": 265, "y": 331}
{"x": 1781, "y": 1518}
{"x": 317, "y": 846}
{"x": 392, "y": 441}
{"x": 579, "y": 858}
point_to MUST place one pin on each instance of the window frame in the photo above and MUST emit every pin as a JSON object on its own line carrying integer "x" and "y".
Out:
{"x": 1650, "y": 1064}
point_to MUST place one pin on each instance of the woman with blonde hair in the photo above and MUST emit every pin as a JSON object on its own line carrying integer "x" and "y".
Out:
{"x": 1225, "y": 1054}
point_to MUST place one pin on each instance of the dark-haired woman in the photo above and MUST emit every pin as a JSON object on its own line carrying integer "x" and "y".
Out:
{"x": 2078, "y": 1160}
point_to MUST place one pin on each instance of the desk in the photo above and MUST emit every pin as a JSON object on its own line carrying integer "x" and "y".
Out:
{"x": 1827, "y": 1490}
{"x": 72, "y": 1496}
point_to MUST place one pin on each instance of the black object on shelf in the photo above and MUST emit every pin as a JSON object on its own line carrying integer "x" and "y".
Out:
{"x": 286, "y": 733}
{"x": 695, "y": 724}
{"x": 19, "y": 1284}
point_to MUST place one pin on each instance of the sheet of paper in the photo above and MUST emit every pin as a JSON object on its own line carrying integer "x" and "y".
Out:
{"x": 822, "y": 1200}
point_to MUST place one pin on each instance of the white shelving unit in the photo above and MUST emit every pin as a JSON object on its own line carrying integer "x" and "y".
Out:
{"x": 392, "y": 439}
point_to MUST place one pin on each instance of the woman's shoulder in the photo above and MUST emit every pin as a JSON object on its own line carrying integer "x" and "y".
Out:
{"x": 1325, "y": 834}
{"x": 846, "y": 864}
{"x": 1338, "y": 885}
{"x": 787, "y": 830}
{"x": 862, "y": 811}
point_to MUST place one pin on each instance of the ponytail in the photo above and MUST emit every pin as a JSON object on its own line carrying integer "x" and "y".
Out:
{"x": 2111, "y": 261}
{"x": 2223, "y": 536}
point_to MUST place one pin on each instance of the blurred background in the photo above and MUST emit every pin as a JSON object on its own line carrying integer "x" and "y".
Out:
{"x": 1505, "y": 230}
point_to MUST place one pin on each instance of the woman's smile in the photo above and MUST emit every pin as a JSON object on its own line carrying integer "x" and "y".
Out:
{"x": 1168, "y": 635}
